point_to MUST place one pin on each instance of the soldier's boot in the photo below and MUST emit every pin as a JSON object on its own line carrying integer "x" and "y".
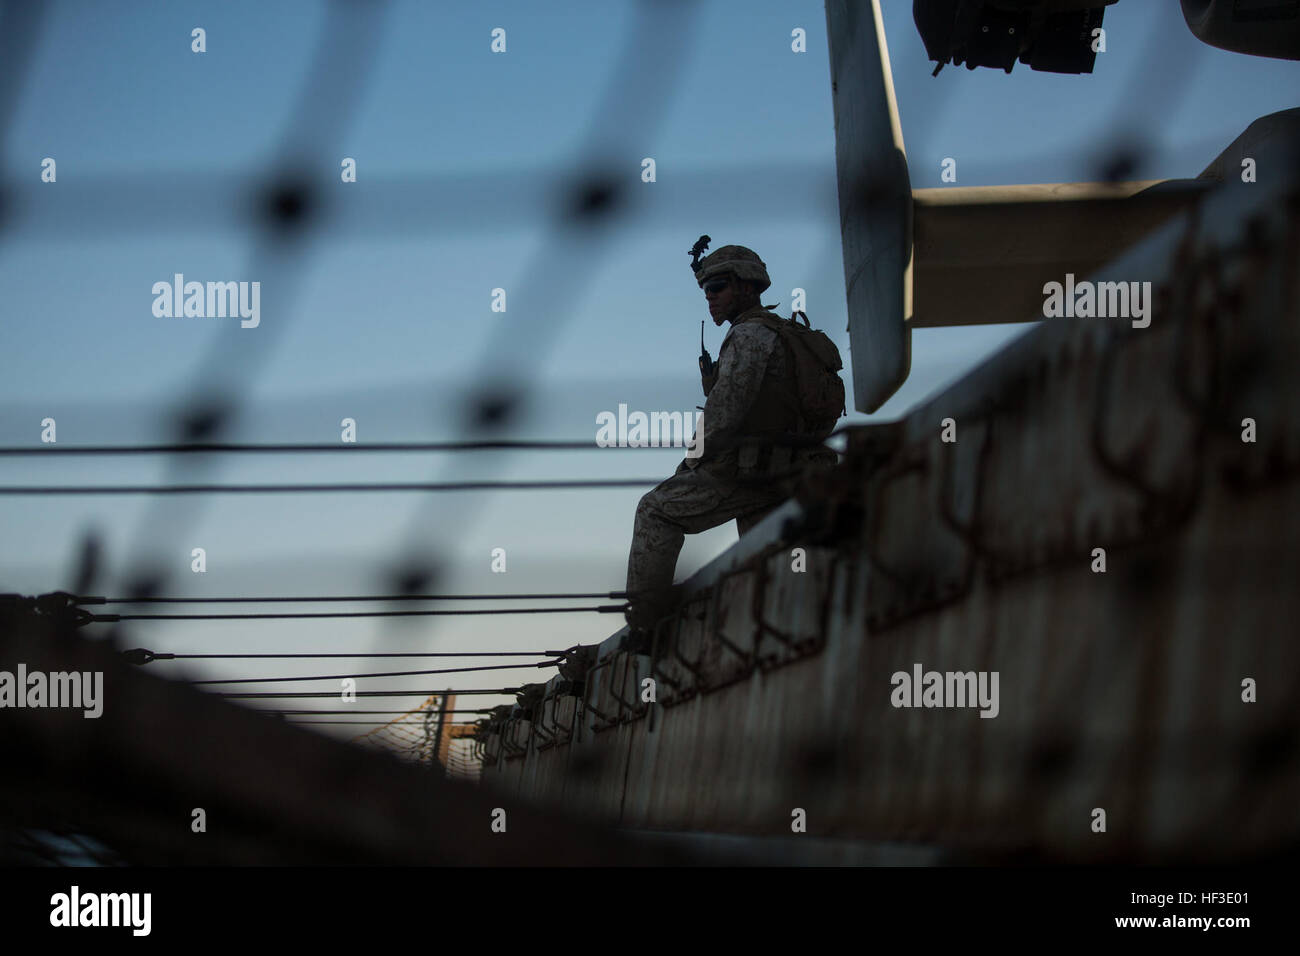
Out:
{"x": 645, "y": 610}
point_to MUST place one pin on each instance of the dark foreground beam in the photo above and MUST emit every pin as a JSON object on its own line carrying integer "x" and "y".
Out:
{"x": 271, "y": 793}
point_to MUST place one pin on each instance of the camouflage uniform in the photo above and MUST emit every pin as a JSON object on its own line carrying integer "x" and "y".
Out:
{"x": 742, "y": 473}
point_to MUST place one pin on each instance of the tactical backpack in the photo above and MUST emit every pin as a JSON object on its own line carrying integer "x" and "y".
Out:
{"x": 817, "y": 365}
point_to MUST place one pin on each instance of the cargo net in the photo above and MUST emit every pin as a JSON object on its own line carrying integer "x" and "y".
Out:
{"x": 425, "y": 734}
{"x": 462, "y": 762}
{"x": 577, "y": 213}
{"x": 409, "y": 735}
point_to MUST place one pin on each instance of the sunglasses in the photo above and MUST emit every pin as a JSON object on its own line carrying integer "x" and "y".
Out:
{"x": 716, "y": 285}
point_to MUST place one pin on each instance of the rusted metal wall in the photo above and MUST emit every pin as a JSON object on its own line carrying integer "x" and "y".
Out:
{"x": 1119, "y": 690}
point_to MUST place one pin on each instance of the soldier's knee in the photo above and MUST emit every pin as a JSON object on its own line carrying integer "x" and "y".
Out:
{"x": 648, "y": 506}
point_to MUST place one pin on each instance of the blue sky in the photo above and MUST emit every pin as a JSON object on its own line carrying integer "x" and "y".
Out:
{"x": 387, "y": 320}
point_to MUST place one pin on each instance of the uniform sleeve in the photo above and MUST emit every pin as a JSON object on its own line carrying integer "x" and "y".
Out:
{"x": 741, "y": 368}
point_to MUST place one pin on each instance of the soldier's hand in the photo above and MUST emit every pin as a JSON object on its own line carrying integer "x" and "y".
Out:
{"x": 707, "y": 381}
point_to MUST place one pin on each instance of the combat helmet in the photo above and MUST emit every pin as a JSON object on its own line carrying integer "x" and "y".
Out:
{"x": 741, "y": 262}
